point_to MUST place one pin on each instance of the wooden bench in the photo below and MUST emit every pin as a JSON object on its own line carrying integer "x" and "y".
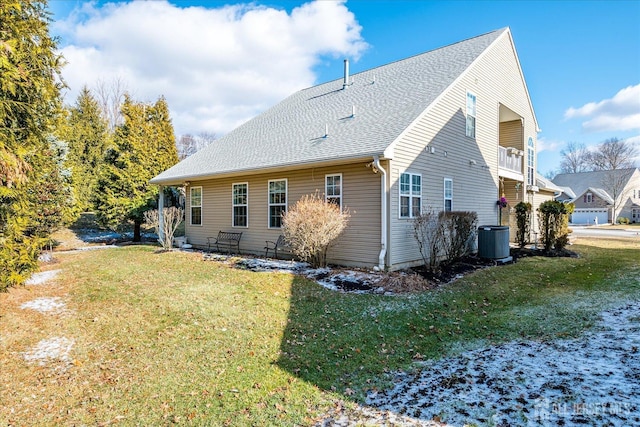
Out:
{"x": 279, "y": 245}
{"x": 226, "y": 239}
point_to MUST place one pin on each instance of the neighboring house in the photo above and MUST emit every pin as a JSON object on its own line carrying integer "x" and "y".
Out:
{"x": 596, "y": 194}
{"x": 450, "y": 129}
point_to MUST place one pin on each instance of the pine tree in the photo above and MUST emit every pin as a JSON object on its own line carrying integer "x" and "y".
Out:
{"x": 143, "y": 146}
{"x": 29, "y": 108}
{"x": 86, "y": 134}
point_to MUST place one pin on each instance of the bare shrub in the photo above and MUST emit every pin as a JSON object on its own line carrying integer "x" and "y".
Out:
{"x": 311, "y": 226}
{"x": 444, "y": 236}
{"x": 171, "y": 219}
{"x": 427, "y": 232}
{"x": 457, "y": 233}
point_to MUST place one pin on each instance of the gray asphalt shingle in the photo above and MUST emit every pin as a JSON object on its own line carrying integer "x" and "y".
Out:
{"x": 387, "y": 99}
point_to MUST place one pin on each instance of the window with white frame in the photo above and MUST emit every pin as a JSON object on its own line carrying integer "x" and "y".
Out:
{"x": 196, "y": 205}
{"x": 333, "y": 189}
{"x": 410, "y": 195}
{"x": 240, "y": 202}
{"x": 448, "y": 195}
{"x": 277, "y": 202}
{"x": 531, "y": 174}
{"x": 471, "y": 115}
{"x": 588, "y": 198}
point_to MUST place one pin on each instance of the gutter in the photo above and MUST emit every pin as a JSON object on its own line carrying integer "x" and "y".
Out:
{"x": 383, "y": 213}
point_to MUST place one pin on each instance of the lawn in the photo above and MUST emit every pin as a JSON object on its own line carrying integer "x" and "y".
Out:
{"x": 161, "y": 338}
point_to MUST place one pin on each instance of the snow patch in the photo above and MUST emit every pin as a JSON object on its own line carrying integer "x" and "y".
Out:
{"x": 42, "y": 277}
{"x": 93, "y": 248}
{"x": 591, "y": 380}
{"x": 339, "y": 280}
{"x": 45, "y": 305}
{"x": 55, "y": 349}
{"x": 258, "y": 264}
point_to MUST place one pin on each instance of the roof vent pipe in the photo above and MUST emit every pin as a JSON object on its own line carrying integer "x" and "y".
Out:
{"x": 345, "y": 83}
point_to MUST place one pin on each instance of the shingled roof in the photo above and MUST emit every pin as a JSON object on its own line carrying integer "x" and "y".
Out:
{"x": 386, "y": 100}
{"x": 580, "y": 182}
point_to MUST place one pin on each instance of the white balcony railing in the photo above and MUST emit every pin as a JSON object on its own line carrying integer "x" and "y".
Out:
{"x": 510, "y": 159}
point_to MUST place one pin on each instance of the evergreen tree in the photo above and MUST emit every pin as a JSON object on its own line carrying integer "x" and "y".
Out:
{"x": 29, "y": 108}
{"x": 86, "y": 136}
{"x": 143, "y": 146}
{"x": 50, "y": 199}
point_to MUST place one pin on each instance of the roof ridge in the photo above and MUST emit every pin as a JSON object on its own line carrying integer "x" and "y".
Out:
{"x": 407, "y": 58}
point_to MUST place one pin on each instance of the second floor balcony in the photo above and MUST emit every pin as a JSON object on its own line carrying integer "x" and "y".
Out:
{"x": 510, "y": 162}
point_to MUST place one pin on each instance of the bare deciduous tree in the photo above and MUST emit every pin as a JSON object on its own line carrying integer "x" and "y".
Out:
{"x": 614, "y": 154}
{"x": 575, "y": 158}
{"x": 189, "y": 144}
{"x": 110, "y": 96}
{"x": 614, "y": 183}
{"x": 171, "y": 219}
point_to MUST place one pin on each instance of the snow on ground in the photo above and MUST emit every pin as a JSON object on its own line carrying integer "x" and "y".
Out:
{"x": 342, "y": 280}
{"x": 55, "y": 349}
{"x": 101, "y": 236}
{"x": 42, "y": 277}
{"x": 591, "y": 380}
{"x": 53, "y": 305}
{"x": 93, "y": 248}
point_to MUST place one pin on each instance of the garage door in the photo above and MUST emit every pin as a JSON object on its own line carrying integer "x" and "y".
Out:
{"x": 588, "y": 216}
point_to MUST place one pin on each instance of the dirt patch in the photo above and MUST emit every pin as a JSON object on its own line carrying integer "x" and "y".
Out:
{"x": 553, "y": 253}
{"x": 450, "y": 271}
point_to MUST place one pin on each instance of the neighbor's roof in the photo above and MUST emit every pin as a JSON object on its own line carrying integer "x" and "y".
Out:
{"x": 568, "y": 192}
{"x": 599, "y": 192}
{"x": 545, "y": 184}
{"x": 580, "y": 182}
{"x": 387, "y": 99}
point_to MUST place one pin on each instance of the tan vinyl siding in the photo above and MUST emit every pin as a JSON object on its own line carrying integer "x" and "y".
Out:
{"x": 495, "y": 79}
{"x": 511, "y": 134}
{"x": 359, "y": 245}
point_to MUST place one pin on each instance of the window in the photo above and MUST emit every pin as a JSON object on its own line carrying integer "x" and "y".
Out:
{"x": 471, "y": 115}
{"x": 277, "y": 202}
{"x": 196, "y": 205}
{"x": 333, "y": 189}
{"x": 240, "y": 204}
{"x": 448, "y": 194}
{"x": 588, "y": 198}
{"x": 530, "y": 163}
{"x": 410, "y": 195}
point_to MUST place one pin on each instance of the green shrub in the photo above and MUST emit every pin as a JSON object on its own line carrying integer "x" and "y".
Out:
{"x": 553, "y": 217}
{"x": 623, "y": 220}
{"x": 523, "y": 223}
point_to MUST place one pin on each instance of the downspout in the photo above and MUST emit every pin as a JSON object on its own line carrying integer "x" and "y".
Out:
{"x": 383, "y": 213}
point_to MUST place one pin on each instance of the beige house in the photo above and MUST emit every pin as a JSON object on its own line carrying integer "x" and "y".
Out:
{"x": 449, "y": 129}
{"x": 601, "y": 197}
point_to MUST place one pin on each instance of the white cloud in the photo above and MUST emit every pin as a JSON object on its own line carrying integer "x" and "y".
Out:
{"x": 548, "y": 145}
{"x": 620, "y": 113}
{"x": 216, "y": 67}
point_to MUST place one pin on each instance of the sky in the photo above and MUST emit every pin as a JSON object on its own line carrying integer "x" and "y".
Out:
{"x": 218, "y": 64}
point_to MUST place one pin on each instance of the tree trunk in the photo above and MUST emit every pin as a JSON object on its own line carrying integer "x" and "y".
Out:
{"x": 136, "y": 230}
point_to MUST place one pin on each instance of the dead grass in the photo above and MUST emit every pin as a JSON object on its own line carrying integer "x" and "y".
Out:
{"x": 163, "y": 338}
{"x": 609, "y": 242}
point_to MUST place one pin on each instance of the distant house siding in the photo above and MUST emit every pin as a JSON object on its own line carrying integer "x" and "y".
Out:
{"x": 359, "y": 245}
{"x": 631, "y": 198}
{"x": 494, "y": 79}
